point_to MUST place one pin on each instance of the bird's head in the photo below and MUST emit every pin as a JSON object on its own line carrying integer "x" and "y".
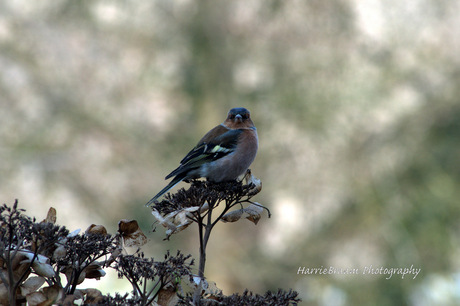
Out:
{"x": 239, "y": 118}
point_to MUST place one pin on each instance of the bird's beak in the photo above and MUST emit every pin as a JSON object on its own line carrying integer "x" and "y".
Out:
{"x": 238, "y": 118}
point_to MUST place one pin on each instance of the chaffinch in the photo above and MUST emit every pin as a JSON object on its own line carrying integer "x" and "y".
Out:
{"x": 223, "y": 154}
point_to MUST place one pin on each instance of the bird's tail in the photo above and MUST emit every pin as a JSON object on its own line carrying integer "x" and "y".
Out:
{"x": 171, "y": 184}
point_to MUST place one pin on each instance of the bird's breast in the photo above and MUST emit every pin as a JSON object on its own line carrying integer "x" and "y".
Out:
{"x": 231, "y": 166}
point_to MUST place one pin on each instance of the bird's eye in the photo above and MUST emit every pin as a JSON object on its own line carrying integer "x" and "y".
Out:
{"x": 232, "y": 116}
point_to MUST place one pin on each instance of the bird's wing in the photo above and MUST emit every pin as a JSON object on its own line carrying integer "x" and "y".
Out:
{"x": 207, "y": 150}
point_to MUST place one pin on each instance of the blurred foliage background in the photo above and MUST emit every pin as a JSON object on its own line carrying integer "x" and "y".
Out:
{"x": 356, "y": 104}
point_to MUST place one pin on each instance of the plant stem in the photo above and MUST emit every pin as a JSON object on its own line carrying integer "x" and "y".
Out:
{"x": 9, "y": 262}
{"x": 197, "y": 293}
{"x": 204, "y": 238}
{"x": 202, "y": 249}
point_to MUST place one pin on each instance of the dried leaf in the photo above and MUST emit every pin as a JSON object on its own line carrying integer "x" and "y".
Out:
{"x": 131, "y": 233}
{"x": 68, "y": 275}
{"x": 197, "y": 280}
{"x": 212, "y": 289}
{"x": 175, "y": 221}
{"x": 3, "y": 293}
{"x": 167, "y": 296}
{"x": 60, "y": 252}
{"x": 78, "y": 294}
{"x": 74, "y": 233}
{"x": 51, "y": 216}
{"x": 115, "y": 253}
{"x": 93, "y": 296}
{"x": 166, "y": 221}
{"x": 20, "y": 257}
{"x": 163, "y": 220}
{"x": 70, "y": 299}
{"x": 43, "y": 269}
{"x": 204, "y": 207}
{"x": 48, "y": 302}
{"x": 53, "y": 293}
{"x": 94, "y": 270}
{"x": 176, "y": 229}
{"x": 127, "y": 227}
{"x": 22, "y": 269}
{"x": 20, "y": 265}
{"x": 36, "y": 298}
{"x": 233, "y": 216}
{"x": 96, "y": 229}
{"x": 253, "y": 212}
{"x": 252, "y": 180}
{"x": 32, "y": 284}
{"x": 40, "y": 263}
{"x": 30, "y": 255}
{"x": 253, "y": 218}
{"x": 183, "y": 216}
{"x": 207, "y": 287}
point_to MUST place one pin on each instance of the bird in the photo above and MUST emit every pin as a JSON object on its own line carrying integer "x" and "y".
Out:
{"x": 222, "y": 154}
